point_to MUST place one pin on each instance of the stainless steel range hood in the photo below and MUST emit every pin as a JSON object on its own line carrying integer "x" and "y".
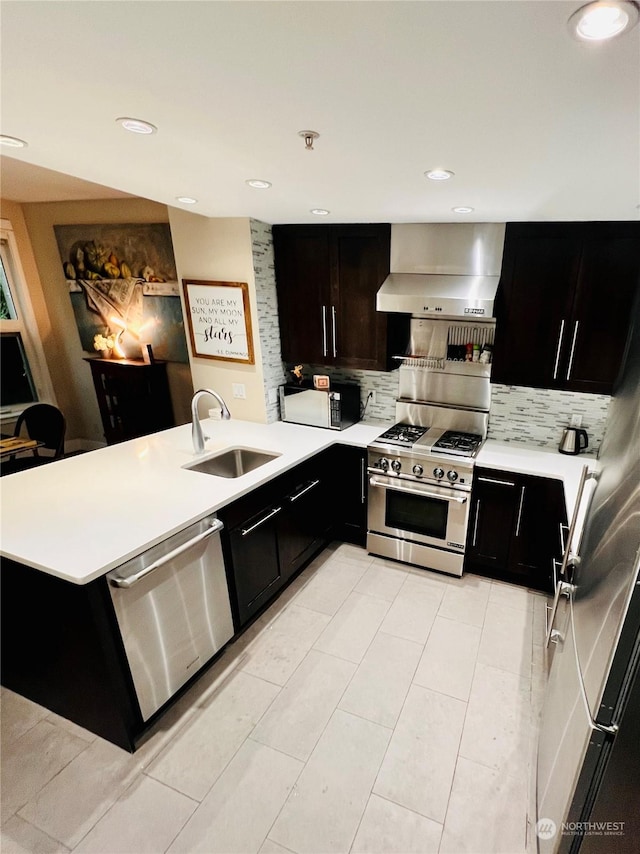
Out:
{"x": 443, "y": 270}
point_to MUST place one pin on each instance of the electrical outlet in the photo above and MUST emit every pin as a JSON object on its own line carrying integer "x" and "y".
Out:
{"x": 239, "y": 391}
{"x": 373, "y": 397}
{"x": 576, "y": 421}
{"x": 215, "y": 414}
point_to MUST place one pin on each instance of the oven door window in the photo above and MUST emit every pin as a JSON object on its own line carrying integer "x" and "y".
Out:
{"x": 417, "y": 513}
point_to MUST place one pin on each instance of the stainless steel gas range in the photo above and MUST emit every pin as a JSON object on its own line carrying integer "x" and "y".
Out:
{"x": 421, "y": 469}
{"x": 419, "y": 495}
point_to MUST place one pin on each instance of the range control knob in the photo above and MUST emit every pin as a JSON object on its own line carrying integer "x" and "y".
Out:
{"x": 417, "y": 470}
{"x": 452, "y": 476}
{"x": 383, "y": 463}
{"x": 438, "y": 472}
{"x": 396, "y": 465}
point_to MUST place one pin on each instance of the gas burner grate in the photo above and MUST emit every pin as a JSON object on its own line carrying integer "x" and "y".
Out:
{"x": 454, "y": 442}
{"x": 403, "y": 434}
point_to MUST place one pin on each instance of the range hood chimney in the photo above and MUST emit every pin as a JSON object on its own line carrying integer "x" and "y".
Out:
{"x": 443, "y": 270}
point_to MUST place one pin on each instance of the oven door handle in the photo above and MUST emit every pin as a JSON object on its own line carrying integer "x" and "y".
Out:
{"x": 416, "y": 490}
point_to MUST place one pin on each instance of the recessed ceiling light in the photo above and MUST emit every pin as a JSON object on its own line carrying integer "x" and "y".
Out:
{"x": 12, "y": 141}
{"x": 603, "y": 19}
{"x": 439, "y": 174}
{"x": 187, "y": 200}
{"x": 319, "y": 212}
{"x": 137, "y": 125}
{"x": 462, "y": 209}
{"x": 258, "y": 183}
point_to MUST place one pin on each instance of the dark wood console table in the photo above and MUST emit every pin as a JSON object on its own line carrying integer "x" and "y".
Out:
{"x": 133, "y": 397}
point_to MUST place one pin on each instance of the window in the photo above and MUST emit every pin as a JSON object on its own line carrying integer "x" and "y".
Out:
{"x": 24, "y": 378}
{"x": 16, "y": 382}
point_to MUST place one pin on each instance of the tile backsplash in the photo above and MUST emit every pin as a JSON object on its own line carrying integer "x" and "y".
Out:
{"x": 385, "y": 385}
{"x": 530, "y": 416}
{"x": 535, "y": 416}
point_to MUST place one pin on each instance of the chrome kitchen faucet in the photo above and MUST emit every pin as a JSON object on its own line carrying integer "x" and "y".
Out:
{"x": 196, "y": 428}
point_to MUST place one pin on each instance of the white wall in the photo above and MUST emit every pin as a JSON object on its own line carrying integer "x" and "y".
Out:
{"x": 220, "y": 249}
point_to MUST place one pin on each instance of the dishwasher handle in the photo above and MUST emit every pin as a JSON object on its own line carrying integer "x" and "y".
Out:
{"x": 130, "y": 580}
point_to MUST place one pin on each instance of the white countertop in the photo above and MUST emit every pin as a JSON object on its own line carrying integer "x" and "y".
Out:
{"x": 515, "y": 457}
{"x": 80, "y": 517}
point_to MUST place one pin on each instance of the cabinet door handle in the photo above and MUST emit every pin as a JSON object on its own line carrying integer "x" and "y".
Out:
{"x": 520, "y": 511}
{"x": 363, "y": 480}
{"x": 573, "y": 348}
{"x": 563, "y": 545}
{"x": 302, "y": 492}
{"x": 499, "y": 482}
{"x": 264, "y": 519}
{"x": 475, "y": 524}
{"x": 557, "y": 362}
{"x": 324, "y": 330}
{"x": 333, "y": 331}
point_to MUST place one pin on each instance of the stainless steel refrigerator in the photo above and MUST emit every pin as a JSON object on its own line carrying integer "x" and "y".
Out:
{"x": 588, "y": 782}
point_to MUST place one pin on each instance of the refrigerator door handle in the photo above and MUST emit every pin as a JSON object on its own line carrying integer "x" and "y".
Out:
{"x": 562, "y": 589}
{"x": 567, "y": 555}
{"x": 609, "y": 729}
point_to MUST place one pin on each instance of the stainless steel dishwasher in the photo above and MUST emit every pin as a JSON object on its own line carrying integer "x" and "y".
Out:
{"x": 172, "y": 607}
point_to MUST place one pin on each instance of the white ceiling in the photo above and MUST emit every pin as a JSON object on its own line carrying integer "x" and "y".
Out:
{"x": 535, "y": 124}
{"x": 23, "y": 182}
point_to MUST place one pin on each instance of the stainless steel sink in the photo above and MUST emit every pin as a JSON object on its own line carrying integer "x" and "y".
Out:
{"x": 233, "y": 462}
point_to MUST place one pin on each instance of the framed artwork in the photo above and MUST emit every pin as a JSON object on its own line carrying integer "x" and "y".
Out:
{"x": 219, "y": 320}
{"x": 122, "y": 280}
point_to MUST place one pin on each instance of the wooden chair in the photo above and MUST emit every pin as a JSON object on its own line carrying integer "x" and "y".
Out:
{"x": 46, "y": 424}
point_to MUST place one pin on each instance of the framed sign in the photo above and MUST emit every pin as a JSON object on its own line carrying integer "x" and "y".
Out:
{"x": 219, "y": 320}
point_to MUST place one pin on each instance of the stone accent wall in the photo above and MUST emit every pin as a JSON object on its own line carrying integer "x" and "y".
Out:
{"x": 268, "y": 323}
{"x": 535, "y": 416}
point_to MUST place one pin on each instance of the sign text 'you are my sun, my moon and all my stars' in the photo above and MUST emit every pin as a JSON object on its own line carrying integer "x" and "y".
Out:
{"x": 218, "y": 321}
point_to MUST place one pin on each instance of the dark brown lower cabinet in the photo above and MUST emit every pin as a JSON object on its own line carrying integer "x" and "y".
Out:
{"x": 350, "y": 493}
{"x": 514, "y": 528}
{"x": 274, "y": 531}
{"x": 62, "y": 649}
{"x": 256, "y": 566}
{"x": 307, "y": 518}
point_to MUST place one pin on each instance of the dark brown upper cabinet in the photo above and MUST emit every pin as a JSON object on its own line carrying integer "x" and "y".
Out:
{"x": 564, "y": 304}
{"x": 327, "y": 278}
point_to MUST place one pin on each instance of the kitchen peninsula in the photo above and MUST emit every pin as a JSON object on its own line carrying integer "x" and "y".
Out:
{"x": 96, "y": 511}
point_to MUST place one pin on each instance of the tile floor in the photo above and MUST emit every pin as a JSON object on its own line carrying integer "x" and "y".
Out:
{"x": 373, "y": 708}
